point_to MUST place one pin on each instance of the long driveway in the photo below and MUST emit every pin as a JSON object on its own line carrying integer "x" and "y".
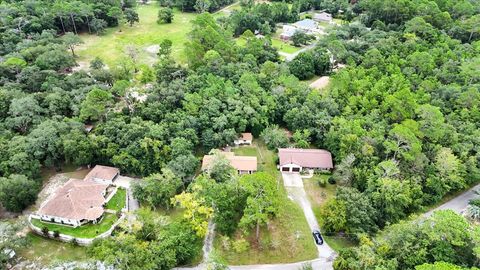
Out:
{"x": 294, "y": 185}
{"x": 459, "y": 203}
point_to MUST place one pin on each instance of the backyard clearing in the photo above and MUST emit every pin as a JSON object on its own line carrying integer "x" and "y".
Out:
{"x": 144, "y": 35}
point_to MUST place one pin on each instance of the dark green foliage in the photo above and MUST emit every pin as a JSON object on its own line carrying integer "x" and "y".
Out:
{"x": 165, "y": 15}
{"x": 17, "y": 192}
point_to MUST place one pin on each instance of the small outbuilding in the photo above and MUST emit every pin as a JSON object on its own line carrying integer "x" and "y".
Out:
{"x": 322, "y": 17}
{"x": 244, "y": 139}
{"x": 295, "y": 160}
{"x": 243, "y": 164}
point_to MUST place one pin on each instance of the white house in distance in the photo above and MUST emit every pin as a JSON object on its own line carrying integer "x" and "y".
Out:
{"x": 244, "y": 139}
{"x": 78, "y": 202}
{"x": 295, "y": 160}
{"x": 243, "y": 164}
{"x": 307, "y": 26}
{"x": 323, "y": 17}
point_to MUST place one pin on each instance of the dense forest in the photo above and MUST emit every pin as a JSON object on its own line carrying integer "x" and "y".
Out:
{"x": 401, "y": 120}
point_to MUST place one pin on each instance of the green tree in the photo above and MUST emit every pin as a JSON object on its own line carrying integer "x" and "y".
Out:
{"x": 156, "y": 190}
{"x": 95, "y": 105}
{"x": 71, "y": 41}
{"x": 262, "y": 200}
{"x": 17, "y": 192}
{"x": 274, "y": 137}
{"x": 165, "y": 15}
{"x": 131, "y": 16}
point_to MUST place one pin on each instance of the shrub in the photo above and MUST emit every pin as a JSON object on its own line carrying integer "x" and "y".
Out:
{"x": 331, "y": 180}
{"x": 322, "y": 181}
{"x": 45, "y": 231}
{"x": 56, "y": 234}
{"x": 241, "y": 245}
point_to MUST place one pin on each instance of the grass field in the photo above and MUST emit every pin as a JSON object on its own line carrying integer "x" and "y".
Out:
{"x": 318, "y": 196}
{"x": 110, "y": 46}
{"x": 47, "y": 251}
{"x": 117, "y": 202}
{"x": 286, "y": 238}
{"x": 85, "y": 231}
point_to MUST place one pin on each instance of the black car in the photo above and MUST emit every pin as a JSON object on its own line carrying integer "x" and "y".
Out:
{"x": 318, "y": 237}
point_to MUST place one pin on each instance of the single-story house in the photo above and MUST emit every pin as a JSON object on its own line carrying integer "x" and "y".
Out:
{"x": 296, "y": 160}
{"x": 245, "y": 138}
{"x": 307, "y": 25}
{"x": 322, "y": 17}
{"x": 243, "y": 164}
{"x": 75, "y": 203}
{"x": 103, "y": 174}
{"x": 287, "y": 32}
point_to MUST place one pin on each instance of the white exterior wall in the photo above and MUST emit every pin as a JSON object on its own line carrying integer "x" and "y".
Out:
{"x": 59, "y": 220}
{"x": 290, "y": 167}
{"x": 240, "y": 142}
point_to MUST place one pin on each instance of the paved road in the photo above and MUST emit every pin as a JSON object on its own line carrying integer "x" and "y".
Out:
{"x": 294, "y": 185}
{"x": 459, "y": 203}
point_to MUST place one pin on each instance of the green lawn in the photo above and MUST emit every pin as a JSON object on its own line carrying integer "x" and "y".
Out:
{"x": 287, "y": 238}
{"x": 117, "y": 202}
{"x": 111, "y": 45}
{"x": 283, "y": 46}
{"x": 85, "y": 231}
{"x": 48, "y": 251}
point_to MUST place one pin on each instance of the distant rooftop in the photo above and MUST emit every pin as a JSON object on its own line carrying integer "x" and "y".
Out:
{"x": 310, "y": 158}
{"x": 306, "y": 24}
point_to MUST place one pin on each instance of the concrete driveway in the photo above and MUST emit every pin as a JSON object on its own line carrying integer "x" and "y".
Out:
{"x": 292, "y": 180}
{"x": 298, "y": 194}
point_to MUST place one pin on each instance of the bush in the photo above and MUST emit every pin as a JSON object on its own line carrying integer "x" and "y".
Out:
{"x": 322, "y": 181}
{"x": 45, "y": 231}
{"x": 241, "y": 245}
{"x": 165, "y": 15}
{"x": 331, "y": 180}
{"x": 56, "y": 234}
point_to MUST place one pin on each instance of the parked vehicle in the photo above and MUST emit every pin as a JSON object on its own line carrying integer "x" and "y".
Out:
{"x": 318, "y": 237}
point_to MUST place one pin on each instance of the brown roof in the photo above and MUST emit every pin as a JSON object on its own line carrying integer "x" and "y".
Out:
{"x": 77, "y": 199}
{"x": 310, "y": 158}
{"x": 102, "y": 172}
{"x": 242, "y": 163}
{"x": 246, "y": 136}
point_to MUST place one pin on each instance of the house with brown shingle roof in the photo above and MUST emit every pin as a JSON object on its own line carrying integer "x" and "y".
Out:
{"x": 103, "y": 174}
{"x": 75, "y": 203}
{"x": 78, "y": 202}
{"x": 296, "y": 160}
{"x": 243, "y": 164}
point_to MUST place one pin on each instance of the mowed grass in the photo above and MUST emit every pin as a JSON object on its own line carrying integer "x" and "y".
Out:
{"x": 110, "y": 47}
{"x": 318, "y": 196}
{"x": 117, "y": 202}
{"x": 84, "y": 231}
{"x": 286, "y": 238}
{"x": 47, "y": 251}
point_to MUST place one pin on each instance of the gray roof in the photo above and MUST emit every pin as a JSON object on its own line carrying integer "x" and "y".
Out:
{"x": 323, "y": 16}
{"x": 306, "y": 24}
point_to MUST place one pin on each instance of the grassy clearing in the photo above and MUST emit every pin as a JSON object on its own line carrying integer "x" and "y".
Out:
{"x": 117, "y": 202}
{"x": 85, "y": 231}
{"x": 47, "y": 251}
{"x": 286, "y": 238}
{"x": 283, "y": 46}
{"x": 318, "y": 196}
{"x": 111, "y": 45}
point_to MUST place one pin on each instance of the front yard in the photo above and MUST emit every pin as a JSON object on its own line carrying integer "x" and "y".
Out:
{"x": 85, "y": 231}
{"x": 318, "y": 196}
{"x": 286, "y": 239}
